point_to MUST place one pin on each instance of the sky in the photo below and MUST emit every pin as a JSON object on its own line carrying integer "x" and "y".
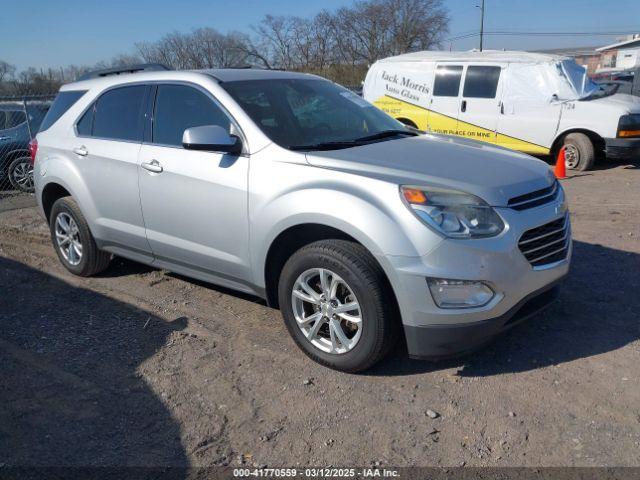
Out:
{"x": 50, "y": 33}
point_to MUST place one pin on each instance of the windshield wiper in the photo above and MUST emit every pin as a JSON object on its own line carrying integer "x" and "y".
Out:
{"x": 327, "y": 145}
{"x": 386, "y": 134}
{"x": 353, "y": 143}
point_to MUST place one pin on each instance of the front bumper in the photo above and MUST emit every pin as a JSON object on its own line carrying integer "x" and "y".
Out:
{"x": 520, "y": 288}
{"x": 622, "y": 148}
{"x": 445, "y": 341}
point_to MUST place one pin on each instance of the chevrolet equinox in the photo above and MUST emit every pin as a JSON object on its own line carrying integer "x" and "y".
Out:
{"x": 289, "y": 187}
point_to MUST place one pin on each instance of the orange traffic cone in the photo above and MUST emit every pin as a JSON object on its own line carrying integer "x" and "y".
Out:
{"x": 561, "y": 168}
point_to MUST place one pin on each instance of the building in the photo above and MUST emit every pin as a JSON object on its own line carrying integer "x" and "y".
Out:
{"x": 623, "y": 55}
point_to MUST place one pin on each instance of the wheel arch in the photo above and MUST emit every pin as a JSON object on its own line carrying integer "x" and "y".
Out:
{"x": 596, "y": 139}
{"x": 288, "y": 241}
{"x": 52, "y": 192}
{"x": 408, "y": 122}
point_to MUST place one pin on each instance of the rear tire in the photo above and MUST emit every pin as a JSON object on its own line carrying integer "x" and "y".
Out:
{"x": 20, "y": 174}
{"x": 73, "y": 241}
{"x": 362, "y": 282}
{"x": 579, "y": 152}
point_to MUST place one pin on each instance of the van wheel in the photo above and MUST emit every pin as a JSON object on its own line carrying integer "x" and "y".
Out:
{"x": 407, "y": 122}
{"x": 579, "y": 152}
{"x": 337, "y": 306}
{"x": 73, "y": 241}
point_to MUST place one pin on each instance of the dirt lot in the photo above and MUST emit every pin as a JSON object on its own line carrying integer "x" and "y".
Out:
{"x": 143, "y": 367}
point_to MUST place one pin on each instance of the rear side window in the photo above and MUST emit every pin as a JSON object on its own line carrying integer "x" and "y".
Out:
{"x": 119, "y": 114}
{"x": 447, "y": 82}
{"x": 481, "y": 82}
{"x": 63, "y": 102}
{"x": 179, "y": 107}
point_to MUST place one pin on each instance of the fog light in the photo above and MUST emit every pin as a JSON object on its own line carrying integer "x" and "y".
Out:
{"x": 459, "y": 293}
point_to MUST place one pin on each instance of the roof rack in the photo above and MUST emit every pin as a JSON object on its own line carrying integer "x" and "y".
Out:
{"x": 143, "y": 67}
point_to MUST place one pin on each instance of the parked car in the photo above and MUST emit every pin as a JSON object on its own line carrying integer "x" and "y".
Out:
{"x": 627, "y": 82}
{"x": 292, "y": 188}
{"x": 529, "y": 102}
{"x": 17, "y": 125}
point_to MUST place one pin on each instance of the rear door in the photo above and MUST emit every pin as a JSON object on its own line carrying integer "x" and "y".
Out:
{"x": 109, "y": 137}
{"x": 445, "y": 100}
{"x": 480, "y": 102}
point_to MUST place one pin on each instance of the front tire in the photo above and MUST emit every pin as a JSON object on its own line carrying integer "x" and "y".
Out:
{"x": 73, "y": 241}
{"x": 579, "y": 152}
{"x": 337, "y": 305}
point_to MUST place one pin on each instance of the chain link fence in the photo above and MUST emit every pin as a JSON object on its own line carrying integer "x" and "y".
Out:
{"x": 20, "y": 118}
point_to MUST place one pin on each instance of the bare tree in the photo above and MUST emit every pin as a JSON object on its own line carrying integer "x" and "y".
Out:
{"x": 6, "y": 70}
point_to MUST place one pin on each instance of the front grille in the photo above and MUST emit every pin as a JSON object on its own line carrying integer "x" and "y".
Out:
{"x": 546, "y": 244}
{"x": 535, "y": 199}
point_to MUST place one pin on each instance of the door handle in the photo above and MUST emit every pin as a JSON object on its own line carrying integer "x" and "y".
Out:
{"x": 152, "y": 166}
{"x": 82, "y": 151}
{"x": 463, "y": 107}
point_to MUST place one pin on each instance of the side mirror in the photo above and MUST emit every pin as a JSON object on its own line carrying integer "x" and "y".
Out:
{"x": 211, "y": 138}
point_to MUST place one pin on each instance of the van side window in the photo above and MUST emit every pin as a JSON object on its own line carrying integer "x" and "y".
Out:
{"x": 179, "y": 107}
{"x": 447, "y": 83}
{"x": 481, "y": 82}
{"x": 118, "y": 114}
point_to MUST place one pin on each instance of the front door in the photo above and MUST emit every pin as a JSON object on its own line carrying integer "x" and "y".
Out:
{"x": 444, "y": 105}
{"x": 194, "y": 202}
{"x": 480, "y": 103}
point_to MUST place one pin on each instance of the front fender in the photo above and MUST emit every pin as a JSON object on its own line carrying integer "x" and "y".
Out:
{"x": 381, "y": 227}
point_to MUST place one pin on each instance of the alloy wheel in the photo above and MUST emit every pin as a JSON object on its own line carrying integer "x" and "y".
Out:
{"x": 68, "y": 238}
{"x": 327, "y": 311}
{"x": 22, "y": 175}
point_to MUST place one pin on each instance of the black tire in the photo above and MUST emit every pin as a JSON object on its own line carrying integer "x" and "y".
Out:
{"x": 353, "y": 263}
{"x": 408, "y": 123}
{"x": 92, "y": 260}
{"x": 18, "y": 168}
{"x": 583, "y": 148}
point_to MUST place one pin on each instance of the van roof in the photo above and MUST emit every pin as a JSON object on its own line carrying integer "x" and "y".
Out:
{"x": 476, "y": 56}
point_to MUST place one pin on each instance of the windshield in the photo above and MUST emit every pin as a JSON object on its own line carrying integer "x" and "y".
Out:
{"x": 577, "y": 76}
{"x": 309, "y": 114}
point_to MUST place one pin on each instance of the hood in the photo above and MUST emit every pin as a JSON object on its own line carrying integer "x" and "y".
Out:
{"x": 622, "y": 101}
{"x": 491, "y": 173}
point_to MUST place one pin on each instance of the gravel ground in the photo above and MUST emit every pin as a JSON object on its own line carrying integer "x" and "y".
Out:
{"x": 143, "y": 367}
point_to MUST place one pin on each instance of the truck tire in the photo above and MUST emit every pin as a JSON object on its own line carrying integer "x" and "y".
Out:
{"x": 579, "y": 152}
{"x": 73, "y": 241}
{"x": 337, "y": 305}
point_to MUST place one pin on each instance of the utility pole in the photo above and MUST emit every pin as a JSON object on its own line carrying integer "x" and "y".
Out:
{"x": 481, "y": 24}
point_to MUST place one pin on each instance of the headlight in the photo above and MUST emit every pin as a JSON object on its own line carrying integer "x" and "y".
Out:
{"x": 455, "y": 214}
{"x": 629, "y": 126}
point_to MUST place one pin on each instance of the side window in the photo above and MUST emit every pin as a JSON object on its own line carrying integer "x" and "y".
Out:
{"x": 85, "y": 124}
{"x": 447, "y": 82}
{"x": 118, "y": 114}
{"x": 481, "y": 82}
{"x": 179, "y": 107}
{"x": 63, "y": 102}
{"x": 15, "y": 118}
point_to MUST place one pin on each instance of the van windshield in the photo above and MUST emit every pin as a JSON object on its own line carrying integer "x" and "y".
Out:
{"x": 584, "y": 87}
{"x": 313, "y": 114}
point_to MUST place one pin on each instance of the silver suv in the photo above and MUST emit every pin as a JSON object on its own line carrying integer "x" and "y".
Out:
{"x": 294, "y": 189}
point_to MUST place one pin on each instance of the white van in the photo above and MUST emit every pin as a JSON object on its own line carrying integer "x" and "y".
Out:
{"x": 529, "y": 102}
